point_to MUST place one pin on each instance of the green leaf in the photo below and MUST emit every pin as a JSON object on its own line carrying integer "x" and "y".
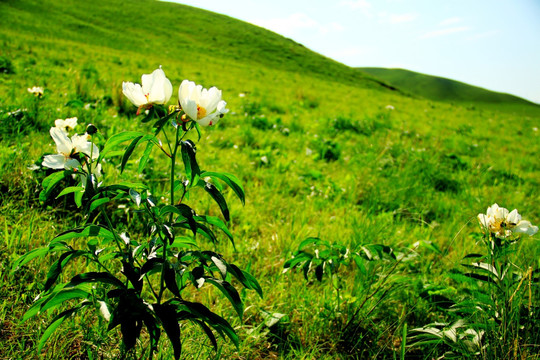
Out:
{"x": 251, "y": 283}
{"x": 55, "y": 323}
{"x": 217, "y": 222}
{"x": 297, "y": 260}
{"x": 75, "y": 103}
{"x": 189, "y": 151}
{"x": 89, "y": 230}
{"x": 100, "y": 277}
{"x": 78, "y": 198}
{"x": 133, "y": 274}
{"x": 29, "y": 256}
{"x": 215, "y": 321}
{"x": 117, "y": 139}
{"x": 51, "y": 181}
{"x": 208, "y": 333}
{"x": 150, "y": 116}
{"x": 312, "y": 241}
{"x": 184, "y": 211}
{"x": 218, "y": 198}
{"x": 70, "y": 189}
{"x": 129, "y": 150}
{"x": 183, "y": 242}
{"x": 151, "y": 266}
{"x": 56, "y": 268}
{"x": 167, "y": 315}
{"x": 145, "y": 156}
{"x": 230, "y": 180}
{"x": 230, "y": 293}
{"x": 170, "y": 278}
{"x": 54, "y": 300}
{"x": 97, "y": 203}
{"x": 158, "y": 125}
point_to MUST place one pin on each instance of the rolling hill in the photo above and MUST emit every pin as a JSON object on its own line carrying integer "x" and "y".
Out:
{"x": 439, "y": 88}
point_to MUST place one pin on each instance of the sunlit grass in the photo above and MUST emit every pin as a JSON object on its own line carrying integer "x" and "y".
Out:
{"x": 317, "y": 150}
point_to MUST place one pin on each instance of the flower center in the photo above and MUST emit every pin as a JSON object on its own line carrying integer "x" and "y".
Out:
{"x": 201, "y": 112}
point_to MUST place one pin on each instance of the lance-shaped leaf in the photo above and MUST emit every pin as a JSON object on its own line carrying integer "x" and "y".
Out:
{"x": 54, "y": 300}
{"x": 189, "y": 151}
{"x": 100, "y": 277}
{"x": 208, "y": 332}
{"x": 118, "y": 139}
{"x": 56, "y": 268}
{"x": 230, "y": 293}
{"x": 158, "y": 125}
{"x": 56, "y": 322}
{"x": 230, "y": 180}
{"x": 97, "y": 203}
{"x": 169, "y": 319}
{"x": 245, "y": 278}
{"x": 129, "y": 150}
{"x": 217, "y": 222}
{"x": 184, "y": 211}
{"x": 86, "y": 231}
{"x": 69, "y": 190}
{"x": 201, "y": 312}
{"x": 219, "y": 199}
{"x": 145, "y": 156}
{"x": 29, "y": 256}
{"x": 170, "y": 278}
{"x": 50, "y": 182}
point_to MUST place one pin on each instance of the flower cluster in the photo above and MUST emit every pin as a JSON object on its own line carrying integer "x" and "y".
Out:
{"x": 203, "y": 106}
{"x": 503, "y": 223}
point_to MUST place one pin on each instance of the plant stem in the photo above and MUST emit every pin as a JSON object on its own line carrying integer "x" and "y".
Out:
{"x": 165, "y": 241}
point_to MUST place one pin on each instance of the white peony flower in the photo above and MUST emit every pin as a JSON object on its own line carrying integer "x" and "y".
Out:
{"x": 503, "y": 223}
{"x": 65, "y": 125}
{"x": 155, "y": 89}
{"x": 201, "y": 105}
{"x": 67, "y": 149}
{"x": 36, "y": 90}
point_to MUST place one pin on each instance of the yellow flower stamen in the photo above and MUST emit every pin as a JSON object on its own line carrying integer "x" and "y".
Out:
{"x": 201, "y": 112}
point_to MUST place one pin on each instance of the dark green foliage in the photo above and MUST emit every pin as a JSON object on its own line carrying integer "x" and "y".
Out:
{"x": 6, "y": 66}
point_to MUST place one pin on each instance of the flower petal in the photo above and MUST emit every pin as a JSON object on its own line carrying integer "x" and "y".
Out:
{"x": 513, "y": 217}
{"x": 56, "y": 161}
{"x": 134, "y": 93}
{"x": 63, "y": 144}
{"x": 525, "y": 226}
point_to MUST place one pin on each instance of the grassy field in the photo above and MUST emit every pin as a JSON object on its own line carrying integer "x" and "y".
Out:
{"x": 320, "y": 154}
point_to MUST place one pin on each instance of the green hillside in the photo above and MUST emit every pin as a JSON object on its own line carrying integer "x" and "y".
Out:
{"x": 441, "y": 89}
{"x": 321, "y": 149}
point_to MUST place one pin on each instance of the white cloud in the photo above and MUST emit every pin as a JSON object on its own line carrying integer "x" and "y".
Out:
{"x": 362, "y": 5}
{"x": 443, "y": 32}
{"x": 450, "y": 21}
{"x": 290, "y": 25}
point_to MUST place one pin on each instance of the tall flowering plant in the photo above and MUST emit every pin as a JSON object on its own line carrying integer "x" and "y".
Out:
{"x": 497, "y": 311}
{"x": 136, "y": 279}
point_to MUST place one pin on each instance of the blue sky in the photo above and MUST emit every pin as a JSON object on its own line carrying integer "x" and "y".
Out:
{"x": 493, "y": 44}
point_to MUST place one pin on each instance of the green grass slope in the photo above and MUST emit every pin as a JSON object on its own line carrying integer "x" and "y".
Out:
{"x": 147, "y": 26}
{"x": 441, "y": 89}
{"x": 316, "y": 146}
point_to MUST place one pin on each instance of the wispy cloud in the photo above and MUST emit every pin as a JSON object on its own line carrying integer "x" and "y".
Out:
{"x": 290, "y": 25}
{"x": 444, "y": 32}
{"x": 450, "y": 21}
{"x": 362, "y": 5}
